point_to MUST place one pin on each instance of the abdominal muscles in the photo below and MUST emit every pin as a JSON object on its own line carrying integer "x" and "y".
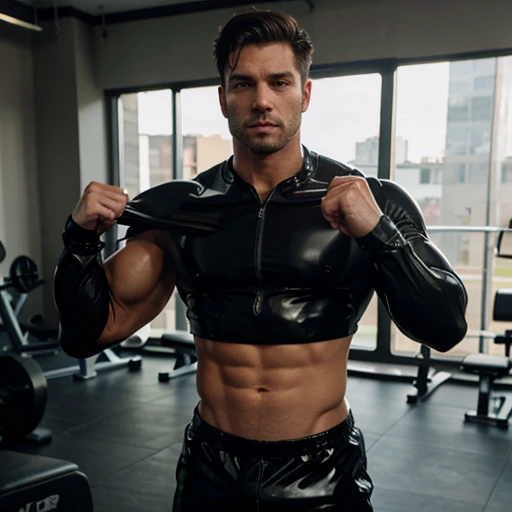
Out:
{"x": 272, "y": 392}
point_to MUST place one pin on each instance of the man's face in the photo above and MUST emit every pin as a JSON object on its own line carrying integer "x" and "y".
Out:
{"x": 263, "y": 98}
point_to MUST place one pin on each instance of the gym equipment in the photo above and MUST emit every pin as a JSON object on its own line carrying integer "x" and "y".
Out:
{"x": 138, "y": 339}
{"x": 504, "y": 243}
{"x": 182, "y": 343}
{"x": 427, "y": 379}
{"x": 20, "y": 342}
{"x": 177, "y": 344}
{"x": 30, "y": 483}
{"x": 490, "y": 368}
{"x": 36, "y": 325}
{"x": 22, "y": 399}
{"x": 89, "y": 368}
{"x": 23, "y": 277}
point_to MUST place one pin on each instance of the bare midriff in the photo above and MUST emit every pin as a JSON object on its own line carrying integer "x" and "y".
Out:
{"x": 273, "y": 392}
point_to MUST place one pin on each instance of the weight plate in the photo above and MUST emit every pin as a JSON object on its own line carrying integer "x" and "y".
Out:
{"x": 23, "y": 274}
{"x": 22, "y": 395}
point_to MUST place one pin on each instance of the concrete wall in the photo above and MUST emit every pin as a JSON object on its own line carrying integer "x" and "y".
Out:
{"x": 154, "y": 52}
{"x": 20, "y": 229}
{"x": 71, "y": 131}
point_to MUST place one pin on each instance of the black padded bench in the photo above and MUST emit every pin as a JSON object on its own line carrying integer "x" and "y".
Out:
{"x": 35, "y": 483}
{"x": 491, "y": 367}
{"x": 184, "y": 348}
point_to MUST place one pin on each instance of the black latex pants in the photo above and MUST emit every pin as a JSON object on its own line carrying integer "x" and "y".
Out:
{"x": 218, "y": 472}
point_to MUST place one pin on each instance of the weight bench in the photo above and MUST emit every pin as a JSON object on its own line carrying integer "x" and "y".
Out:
{"x": 183, "y": 346}
{"x": 491, "y": 367}
{"x": 33, "y": 483}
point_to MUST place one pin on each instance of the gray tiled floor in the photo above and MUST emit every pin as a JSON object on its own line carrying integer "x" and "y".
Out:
{"x": 124, "y": 430}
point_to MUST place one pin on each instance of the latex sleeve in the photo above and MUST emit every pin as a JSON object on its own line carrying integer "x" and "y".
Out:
{"x": 422, "y": 293}
{"x": 81, "y": 292}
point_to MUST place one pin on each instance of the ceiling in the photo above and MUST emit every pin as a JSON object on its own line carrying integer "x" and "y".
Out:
{"x": 109, "y": 6}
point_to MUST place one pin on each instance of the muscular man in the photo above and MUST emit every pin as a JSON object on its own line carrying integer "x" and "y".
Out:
{"x": 276, "y": 253}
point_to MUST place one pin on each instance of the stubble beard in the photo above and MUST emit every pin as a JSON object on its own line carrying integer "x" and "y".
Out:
{"x": 264, "y": 143}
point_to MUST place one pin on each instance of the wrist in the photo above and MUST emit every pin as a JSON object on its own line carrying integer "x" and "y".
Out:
{"x": 78, "y": 233}
{"x": 385, "y": 236}
{"x": 78, "y": 240}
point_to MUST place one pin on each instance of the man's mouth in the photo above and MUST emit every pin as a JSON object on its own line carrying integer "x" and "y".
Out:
{"x": 263, "y": 126}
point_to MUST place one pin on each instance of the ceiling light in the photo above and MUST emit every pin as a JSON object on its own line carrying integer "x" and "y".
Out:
{"x": 19, "y": 23}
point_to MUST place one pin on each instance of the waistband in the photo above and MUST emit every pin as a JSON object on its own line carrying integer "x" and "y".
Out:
{"x": 222, "y": 441}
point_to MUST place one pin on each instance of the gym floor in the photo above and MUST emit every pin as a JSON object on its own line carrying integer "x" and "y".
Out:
{"x": 124, "y": 430}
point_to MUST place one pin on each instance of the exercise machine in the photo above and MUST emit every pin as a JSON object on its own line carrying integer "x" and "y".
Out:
{"x": 427, "y": 379}
{"x": 23, "y": 277}
{"x": 493, "y": 409}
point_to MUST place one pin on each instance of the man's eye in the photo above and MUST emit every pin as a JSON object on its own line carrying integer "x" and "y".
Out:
{"x": 280, "y": 83}
{"x": 241, "y": 85}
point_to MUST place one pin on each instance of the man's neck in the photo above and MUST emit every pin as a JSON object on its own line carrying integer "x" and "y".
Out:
{"x": 264, "y": 172}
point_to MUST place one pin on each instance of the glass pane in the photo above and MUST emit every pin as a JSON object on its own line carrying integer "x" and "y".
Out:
{"x": 456, "y": 119}
{"x": 146, "y": 159}
{"x": 206, "y": 137}
{"x": 502, "y": 275}
{"x": 146, "y": 139}
{"x": 342, "y": 122}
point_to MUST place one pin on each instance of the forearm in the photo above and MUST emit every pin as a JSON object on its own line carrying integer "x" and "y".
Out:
{"x": 81, "y": 293}
{"x": 422, "y": 293}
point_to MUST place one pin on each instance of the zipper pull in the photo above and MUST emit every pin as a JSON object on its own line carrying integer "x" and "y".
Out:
{"x": 257, "y": 304}
{"x": 260, "y": 213}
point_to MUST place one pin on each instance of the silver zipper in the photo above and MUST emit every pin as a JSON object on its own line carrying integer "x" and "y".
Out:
{"x": 257, "y": 253}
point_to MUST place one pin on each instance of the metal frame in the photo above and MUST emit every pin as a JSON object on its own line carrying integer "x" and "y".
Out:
{"x": 177, "y": 144}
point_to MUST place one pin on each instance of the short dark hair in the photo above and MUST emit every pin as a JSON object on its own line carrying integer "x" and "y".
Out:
{"x": 261, "y": 27}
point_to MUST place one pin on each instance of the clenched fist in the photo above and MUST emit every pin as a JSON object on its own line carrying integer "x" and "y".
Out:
{"x": 350, "y": 207}
{"x": 100, "y": 206}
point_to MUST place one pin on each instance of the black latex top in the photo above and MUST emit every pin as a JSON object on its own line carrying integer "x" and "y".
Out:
{"x": 277, "y": 272}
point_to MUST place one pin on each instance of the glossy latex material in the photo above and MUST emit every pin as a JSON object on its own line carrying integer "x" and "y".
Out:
{"x": 218, "y": 472}
{"x": 279, "y": 273}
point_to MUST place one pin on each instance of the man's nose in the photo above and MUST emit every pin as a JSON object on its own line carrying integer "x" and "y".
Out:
{"x": 262, "y": 98}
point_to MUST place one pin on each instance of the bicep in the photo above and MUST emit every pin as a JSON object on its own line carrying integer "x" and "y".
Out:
{"x": 142, "y": 278}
